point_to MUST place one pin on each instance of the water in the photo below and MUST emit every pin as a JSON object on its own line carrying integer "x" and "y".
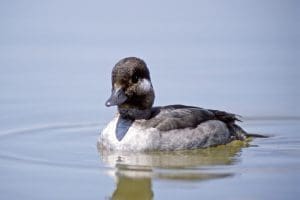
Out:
{"x": 55, "y": 64}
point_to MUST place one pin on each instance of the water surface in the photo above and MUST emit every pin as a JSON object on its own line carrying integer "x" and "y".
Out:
{"x": 61, "y": 161}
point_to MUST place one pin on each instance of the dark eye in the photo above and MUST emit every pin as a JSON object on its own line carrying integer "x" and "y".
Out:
{"x": 135, "y": 78}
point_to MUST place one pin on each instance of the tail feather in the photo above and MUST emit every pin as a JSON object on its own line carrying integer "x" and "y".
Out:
{"x": 255, "y": 135}
{"x": 236, "y": 131}
{"x": 240, "y": 134}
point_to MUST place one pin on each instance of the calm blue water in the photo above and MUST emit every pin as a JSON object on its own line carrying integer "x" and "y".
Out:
{"x": 55, "y": 63}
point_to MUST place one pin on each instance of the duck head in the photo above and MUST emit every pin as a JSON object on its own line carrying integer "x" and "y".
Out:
{"x": 132, "y": 90}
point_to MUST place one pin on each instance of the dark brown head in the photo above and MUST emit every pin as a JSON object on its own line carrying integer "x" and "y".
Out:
{"x": 132, "y": 89}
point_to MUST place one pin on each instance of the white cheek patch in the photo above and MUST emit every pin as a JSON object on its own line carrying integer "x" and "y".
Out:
{"x": 145, "y": 86}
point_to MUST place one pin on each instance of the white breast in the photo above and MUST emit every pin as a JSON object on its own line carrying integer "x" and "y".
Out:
{"x": 137, "y": 138}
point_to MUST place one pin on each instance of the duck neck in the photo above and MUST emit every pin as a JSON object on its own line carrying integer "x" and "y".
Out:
{"x": 137, "y": 107}
{"x": 134, "y": 113}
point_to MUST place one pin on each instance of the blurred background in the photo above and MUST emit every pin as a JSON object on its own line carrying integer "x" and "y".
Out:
{"x": 56, "y": 56}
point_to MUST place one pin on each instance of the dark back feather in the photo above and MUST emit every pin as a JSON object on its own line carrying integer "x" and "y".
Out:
{"x": 181, "y": 116}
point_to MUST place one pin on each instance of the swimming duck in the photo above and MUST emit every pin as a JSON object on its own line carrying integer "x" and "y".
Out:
{"x": 138, "y": 126}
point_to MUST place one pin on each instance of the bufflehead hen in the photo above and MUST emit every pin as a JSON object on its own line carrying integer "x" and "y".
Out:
{"x": 140, "y": 127}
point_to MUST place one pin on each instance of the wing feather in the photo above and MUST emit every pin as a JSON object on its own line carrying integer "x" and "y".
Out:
{"x": 181, "y": 116}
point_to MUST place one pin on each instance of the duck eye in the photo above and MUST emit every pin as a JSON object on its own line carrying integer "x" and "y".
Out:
{"x": 135, "y": 78}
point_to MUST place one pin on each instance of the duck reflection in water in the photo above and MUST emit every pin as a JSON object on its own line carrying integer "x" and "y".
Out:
{"x": 134, "y": 171}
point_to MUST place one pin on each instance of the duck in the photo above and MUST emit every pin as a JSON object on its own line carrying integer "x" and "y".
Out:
{"x": 139, "y": 126}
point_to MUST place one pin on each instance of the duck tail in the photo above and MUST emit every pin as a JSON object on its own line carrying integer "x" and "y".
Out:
{"x": 238, "y": 133}
{"x": 255, "y": 135}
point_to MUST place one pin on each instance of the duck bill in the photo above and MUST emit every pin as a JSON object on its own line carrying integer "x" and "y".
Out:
{"x": 117, "y": 97}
